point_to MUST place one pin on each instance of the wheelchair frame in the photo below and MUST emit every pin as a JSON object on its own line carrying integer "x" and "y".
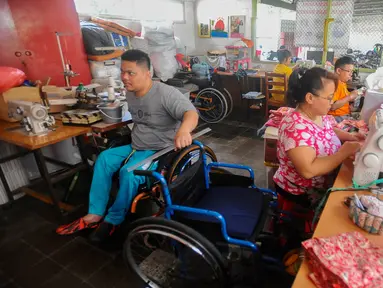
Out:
{"x": 152, "y": 186}
{"x": 170, "y": 208}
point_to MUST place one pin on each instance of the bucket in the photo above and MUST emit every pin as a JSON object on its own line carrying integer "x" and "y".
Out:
{"x": 111, "y": 114}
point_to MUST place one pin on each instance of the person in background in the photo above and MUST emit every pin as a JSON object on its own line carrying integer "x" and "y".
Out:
{"x": 284, "y": 58}
{"x": 309, "y": 148}
{"x": 340, "y": 109}
{"x": 162, "y": 117}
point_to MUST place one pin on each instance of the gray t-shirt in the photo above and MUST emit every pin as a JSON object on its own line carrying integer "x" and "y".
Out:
{"x": 157, "y": 116}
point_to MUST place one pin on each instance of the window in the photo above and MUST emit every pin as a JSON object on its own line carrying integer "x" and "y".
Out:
{"x": 158, "y": 10}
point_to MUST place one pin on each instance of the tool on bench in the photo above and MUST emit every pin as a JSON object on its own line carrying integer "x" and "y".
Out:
{"x": 368, "y": 162}
{"x": 164, "y": 151}
{"x": 34, "y": 116}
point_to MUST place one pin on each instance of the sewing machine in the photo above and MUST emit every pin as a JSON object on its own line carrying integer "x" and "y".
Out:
{"x": 34, "y": 116}
{"x": 372, "y": 101}
{"x": 369, "y": 161}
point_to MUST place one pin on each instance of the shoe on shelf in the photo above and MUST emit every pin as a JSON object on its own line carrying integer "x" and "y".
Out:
{"x": 75, "y": 226}
{"x": 103, "y": 232}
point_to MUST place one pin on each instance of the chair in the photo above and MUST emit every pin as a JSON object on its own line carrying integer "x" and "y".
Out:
{"x": 270, "y": 82}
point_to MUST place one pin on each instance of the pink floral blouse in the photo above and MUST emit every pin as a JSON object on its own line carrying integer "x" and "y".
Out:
{"x": 296, "y": 131}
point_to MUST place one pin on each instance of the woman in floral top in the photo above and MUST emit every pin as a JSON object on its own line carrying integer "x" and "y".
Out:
{"x": 309, "y": 148}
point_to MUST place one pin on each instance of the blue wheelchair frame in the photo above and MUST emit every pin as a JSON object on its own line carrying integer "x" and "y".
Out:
{"x": 170, "y": 208}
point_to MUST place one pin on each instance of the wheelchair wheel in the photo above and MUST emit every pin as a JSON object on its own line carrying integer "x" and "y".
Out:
{"x": 186, "y": 158}
{"x": 166, "y": 253}
{"x": 229, "y": 101}
{"x": 211, "y": 105}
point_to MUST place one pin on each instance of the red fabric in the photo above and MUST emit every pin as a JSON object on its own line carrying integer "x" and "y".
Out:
{"x": 345, "y": 260}
{"x": 276, "y": 116}
{"x": 285, "y": 205}
{"x": 297, "y": 131}
{"x": 10, "y": 77}
{"x": 347, "y": 125}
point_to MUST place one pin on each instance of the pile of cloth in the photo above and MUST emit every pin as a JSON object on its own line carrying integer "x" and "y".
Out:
{"x": 353, "y": 126}
{"x": 275, "y": 118}
{"x": 346, "y": 260}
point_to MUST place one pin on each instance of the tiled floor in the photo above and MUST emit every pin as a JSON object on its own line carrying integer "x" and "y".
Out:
{"x": 32, "y": 255}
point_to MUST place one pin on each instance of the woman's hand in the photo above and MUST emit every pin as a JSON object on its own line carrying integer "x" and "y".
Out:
{"x": 349, "y": 148}
{"x": 358, "y": 137}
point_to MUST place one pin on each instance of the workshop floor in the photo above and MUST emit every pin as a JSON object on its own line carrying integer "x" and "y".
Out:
{"x": 32, "y": 255}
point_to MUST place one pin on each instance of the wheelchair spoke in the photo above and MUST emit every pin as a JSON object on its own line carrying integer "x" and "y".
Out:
{"x": 165, "y": 260}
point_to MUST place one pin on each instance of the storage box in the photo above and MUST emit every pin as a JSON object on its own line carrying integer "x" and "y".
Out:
{"x": 235, "y": 65}
{"x": 237, "y": 52}
{"x": 31, "y": 94}
{"x": 59, "y": 99}
{"x": 271, "y": 158}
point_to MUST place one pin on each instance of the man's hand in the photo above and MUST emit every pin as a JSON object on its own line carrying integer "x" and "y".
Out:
{"x": 182, "y": 139}
{"x": 353, "y": 95}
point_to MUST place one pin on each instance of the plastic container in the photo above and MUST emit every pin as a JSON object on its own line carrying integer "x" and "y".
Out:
{"x": 235, "y": 65}
{"x": 111, "y": 114}
{"x": 236, "y": 52}
{"x": 111, "y": 95}
{"x": 368, "y": 222}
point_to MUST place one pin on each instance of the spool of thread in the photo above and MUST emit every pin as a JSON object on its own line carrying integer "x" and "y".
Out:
{"x": 111, "y": 82}
{"x": 111, "y": 95}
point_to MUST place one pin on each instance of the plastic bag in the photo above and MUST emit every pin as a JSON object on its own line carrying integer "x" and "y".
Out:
{"x": 160, "y": 37}
{"x": 10, "y": 77}
{"x": 165, "y": 64}
{"x": 105, "y": 69}
{"x": 162, "y": 49}
{"x": 375, "y": 80}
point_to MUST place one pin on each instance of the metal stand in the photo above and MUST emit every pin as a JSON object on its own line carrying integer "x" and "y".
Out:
{"x": 6, "y": 186}
{"x": 41, "y": 164}
{"x": 48, "y": 179}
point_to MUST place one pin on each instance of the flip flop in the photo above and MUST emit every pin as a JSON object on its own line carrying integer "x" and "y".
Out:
{"x": 75, "y": 226}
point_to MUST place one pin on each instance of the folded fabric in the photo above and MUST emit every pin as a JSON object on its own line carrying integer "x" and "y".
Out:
{"x": 373, "y": 205}
{"x": 253, "y": 95}
{"x": 348, "y": 125}
{"x": 346, "y": 260}
{"x": 276, "y": 116}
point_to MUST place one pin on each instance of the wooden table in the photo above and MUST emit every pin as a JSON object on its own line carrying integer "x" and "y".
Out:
{"x": 103, "y": 127}
{"x": 259, "y": 74}
{"x": 11, "y": 133}
{"x": 334, "y": 220}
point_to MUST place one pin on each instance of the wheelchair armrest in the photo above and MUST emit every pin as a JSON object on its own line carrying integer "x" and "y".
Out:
{"x": 145, "y": 173}
{"x": 233, "y": 166}
{"x": 159, "y": 177}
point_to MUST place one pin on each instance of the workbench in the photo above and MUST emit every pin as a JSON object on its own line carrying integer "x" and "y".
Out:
{"x": 12, "y": 133}
{"x": 334, "y": 220}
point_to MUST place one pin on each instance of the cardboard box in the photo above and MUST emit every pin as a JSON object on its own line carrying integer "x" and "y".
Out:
{"x": 31, "y": 94}
{"x": 59, "y": 98}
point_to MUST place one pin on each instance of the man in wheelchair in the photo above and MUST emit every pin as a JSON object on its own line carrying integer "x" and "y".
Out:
{"x": 162, "y": 116}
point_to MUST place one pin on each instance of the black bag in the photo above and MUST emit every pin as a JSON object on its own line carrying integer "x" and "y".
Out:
{"x": 95, "y": 36}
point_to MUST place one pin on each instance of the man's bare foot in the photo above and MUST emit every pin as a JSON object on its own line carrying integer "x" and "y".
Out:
{"x": 92, "y": 218}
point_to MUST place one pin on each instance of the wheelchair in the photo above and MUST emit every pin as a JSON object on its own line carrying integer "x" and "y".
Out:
{"x": 210, "y": 221}
{"x": 169, "y": 166}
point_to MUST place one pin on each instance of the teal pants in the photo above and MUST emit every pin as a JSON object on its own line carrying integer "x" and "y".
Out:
{"x": 108, "y": 163}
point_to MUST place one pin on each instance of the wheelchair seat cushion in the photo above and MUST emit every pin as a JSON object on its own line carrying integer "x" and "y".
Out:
{"x": 241, "y": 208}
